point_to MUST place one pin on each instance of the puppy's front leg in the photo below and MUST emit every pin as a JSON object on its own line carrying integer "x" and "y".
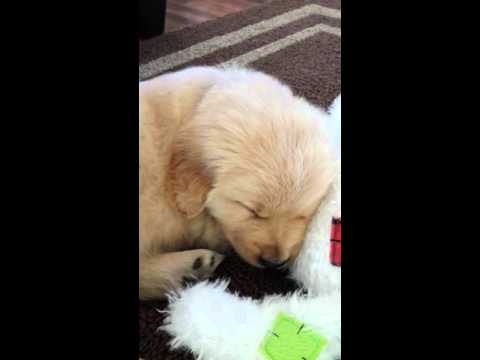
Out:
{"x": 163, "y": 272}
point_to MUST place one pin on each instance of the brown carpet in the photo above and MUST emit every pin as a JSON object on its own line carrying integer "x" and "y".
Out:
{"x": 296, "y": 41}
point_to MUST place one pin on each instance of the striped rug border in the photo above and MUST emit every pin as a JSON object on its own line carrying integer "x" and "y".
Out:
{"x": 216, "y": 43}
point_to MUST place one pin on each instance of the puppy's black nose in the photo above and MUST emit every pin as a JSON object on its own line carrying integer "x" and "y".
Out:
{"x": 271, "y": 264}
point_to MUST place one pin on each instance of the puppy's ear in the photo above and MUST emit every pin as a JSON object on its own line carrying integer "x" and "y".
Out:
{"x": 189, "y": 183}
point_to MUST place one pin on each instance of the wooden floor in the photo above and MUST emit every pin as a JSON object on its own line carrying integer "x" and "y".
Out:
{"x": 183, "y": 13}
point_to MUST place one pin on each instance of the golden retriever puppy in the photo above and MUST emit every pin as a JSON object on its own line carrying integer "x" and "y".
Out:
{"x": 228, "y": 158}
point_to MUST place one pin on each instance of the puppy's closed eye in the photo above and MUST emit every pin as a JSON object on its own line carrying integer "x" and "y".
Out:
{"x": 252, "y": 211}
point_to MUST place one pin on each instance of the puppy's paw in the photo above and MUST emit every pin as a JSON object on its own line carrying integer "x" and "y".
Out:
{"x": 204, "y": 263}
{"x": 201, "y": 265}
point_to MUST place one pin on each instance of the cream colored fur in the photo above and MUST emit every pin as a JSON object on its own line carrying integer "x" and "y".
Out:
{"x": 228, "y": 158}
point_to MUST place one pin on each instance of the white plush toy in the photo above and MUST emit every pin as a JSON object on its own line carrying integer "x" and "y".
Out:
{"x": 217, "y": 325}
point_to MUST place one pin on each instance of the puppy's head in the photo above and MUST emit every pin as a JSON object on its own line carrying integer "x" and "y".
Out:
{"x": 257, "y": 162}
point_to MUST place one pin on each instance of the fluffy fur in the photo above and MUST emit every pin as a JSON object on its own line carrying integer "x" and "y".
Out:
{"x": 228, "y": 158}
{"x": 312, "y": 267}
{"x": 217, "y": 325}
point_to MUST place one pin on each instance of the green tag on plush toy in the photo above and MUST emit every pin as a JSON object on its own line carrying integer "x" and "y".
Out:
{"x": 289, "y": 339}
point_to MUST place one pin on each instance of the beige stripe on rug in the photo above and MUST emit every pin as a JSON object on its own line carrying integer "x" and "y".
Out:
{"x": 269, "y": 49}
{"x": 209, "y": 46}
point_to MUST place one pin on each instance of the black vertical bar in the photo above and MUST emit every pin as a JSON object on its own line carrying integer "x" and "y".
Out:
{"x": 151, "y": 18}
